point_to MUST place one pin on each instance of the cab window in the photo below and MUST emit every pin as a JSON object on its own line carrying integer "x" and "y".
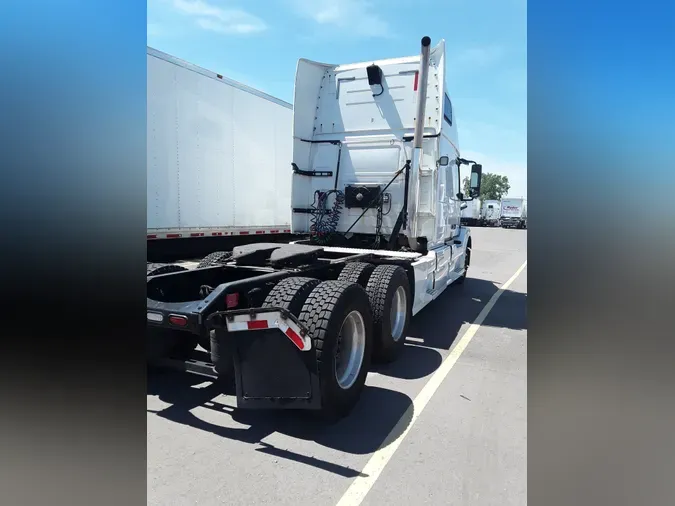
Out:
{"x": 447, "y": 110}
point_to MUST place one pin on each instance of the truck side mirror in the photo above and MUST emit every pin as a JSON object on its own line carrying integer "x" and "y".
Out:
{"x": 463, "y": 206}
{"x": 443, "y": 161}
{"x": 476, "y": 175}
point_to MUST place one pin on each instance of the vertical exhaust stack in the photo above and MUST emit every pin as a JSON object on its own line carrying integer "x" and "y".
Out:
{"x": 419, "y": 137}
{"x": 422, "y": 95}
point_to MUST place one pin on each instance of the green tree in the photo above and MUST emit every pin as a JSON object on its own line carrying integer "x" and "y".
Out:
{"x": 492, "y": 186}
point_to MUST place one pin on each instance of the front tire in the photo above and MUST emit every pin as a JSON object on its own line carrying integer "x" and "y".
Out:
{"x": 467, "y": 262}
{"x": 338, "y": 317}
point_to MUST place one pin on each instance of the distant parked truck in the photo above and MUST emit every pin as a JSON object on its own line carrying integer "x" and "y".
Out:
{"x": 471, "y": 213}
{"x": 490, "y": 213}
{"x": 513, "y": 213}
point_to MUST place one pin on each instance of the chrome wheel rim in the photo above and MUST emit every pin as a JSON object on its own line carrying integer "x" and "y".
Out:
{"x": 398, "y": 313}
{"x": 351, "y": 348}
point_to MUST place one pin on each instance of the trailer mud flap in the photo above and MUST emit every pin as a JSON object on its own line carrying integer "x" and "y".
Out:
{"x": 274, "y": 363}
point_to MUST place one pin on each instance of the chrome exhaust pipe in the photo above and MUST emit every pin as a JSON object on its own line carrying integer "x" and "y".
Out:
{"x": 416, "y": 160}
{"x": 422, "y": 93}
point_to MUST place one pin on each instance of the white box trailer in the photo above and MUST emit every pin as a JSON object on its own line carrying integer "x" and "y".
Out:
{"x": 218, "y": 154}
{"x": 513, "y": 213}
{"x": 376, "y": 195}
{"x": 471, "y": 213}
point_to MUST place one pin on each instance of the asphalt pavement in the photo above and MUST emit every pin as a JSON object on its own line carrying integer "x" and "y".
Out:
{"x": 424, "y": 431}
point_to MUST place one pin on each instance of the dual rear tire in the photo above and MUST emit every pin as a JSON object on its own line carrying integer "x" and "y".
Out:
{"x": 155, "y": 269}
{"x": 390, "y": 298}
{"x": 215, "y": 258}
{"x": 338, "y": 317}
{"x": 361, "y": 316}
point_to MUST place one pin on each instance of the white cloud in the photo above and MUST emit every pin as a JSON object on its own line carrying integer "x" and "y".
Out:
{"x": 354, "y": 17}
{"x": 217, "y": 19}
{"x": 243, "y": 27}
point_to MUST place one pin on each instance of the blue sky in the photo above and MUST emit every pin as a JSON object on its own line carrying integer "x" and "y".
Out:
{"x": 259, "y": 42}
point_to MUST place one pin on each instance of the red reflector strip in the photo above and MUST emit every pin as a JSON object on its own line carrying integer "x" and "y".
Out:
{"x": 287, "y": 231}
{"x": 274, "y": 231}
{"x": 259, "y": 231}
{"x": 270, "y": 320}
{"x": 179, "y": 321}
{"x": 243, "y": 232}
{"x": 257, "y": 324}
{"x": 232, "y": 300}
{"x": 417, "y": 76}
{"x": 216, "y": 233}
{"x": 295, "y": 338}
{"x": 172, "y": 236}
{"x": 153, "y": 236}
{"x": 196, "y": 234}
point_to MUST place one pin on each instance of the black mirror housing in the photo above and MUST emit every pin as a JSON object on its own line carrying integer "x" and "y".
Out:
{"x": 444, "y": 161}
{"x": 474, "y": 184}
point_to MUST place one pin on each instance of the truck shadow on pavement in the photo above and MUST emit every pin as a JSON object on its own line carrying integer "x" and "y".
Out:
{"x": 378, "y": 411}
{"x": 362, "y": 432}
{"x": 440, "y": 324}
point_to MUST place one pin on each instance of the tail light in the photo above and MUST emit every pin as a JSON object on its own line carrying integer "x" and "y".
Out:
{"x": 178, "y": 321}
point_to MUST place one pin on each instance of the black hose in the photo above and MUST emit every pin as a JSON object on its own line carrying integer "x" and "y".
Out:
{"x": 324, "y": 221}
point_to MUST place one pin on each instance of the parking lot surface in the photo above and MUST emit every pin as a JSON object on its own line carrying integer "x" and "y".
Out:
{"x": 468, "y": 445}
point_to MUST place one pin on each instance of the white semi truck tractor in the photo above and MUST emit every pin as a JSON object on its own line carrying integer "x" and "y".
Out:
{"x": 375, "y": 211}
{"x": 490, "y": 213}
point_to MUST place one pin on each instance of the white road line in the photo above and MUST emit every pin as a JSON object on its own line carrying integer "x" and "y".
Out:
{"x": 360, "y": 487}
